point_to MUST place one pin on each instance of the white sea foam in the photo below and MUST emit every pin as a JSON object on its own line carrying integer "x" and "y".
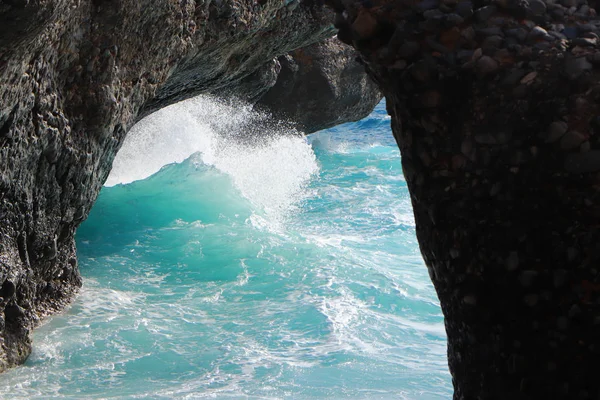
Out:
{"x": 268, "y": 162}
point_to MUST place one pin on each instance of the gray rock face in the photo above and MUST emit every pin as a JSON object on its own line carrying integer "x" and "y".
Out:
{"x": 74, "y": 77}
{"x": 320, "y": 86}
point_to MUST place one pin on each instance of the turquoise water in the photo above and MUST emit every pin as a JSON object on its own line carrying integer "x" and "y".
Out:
{"x": 255, "y": 268}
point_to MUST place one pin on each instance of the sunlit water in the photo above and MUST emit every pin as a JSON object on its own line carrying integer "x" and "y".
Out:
{"x": 258, "y": 268}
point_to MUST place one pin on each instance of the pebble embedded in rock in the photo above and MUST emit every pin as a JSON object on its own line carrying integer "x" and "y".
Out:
{"x": 537, "y": 7}
{"x": 427, "y": 5}
{"x": 408, "y": 49}
{"x": 559, "y": 278}
{"x": 562, "y": 323}
{"x": 556, "y": 130}
{"x": 571, "y": 140}
{"x": 585, "y": 146}
{"x": 537, "y": 32}
{"x": 585, "y": 42}
{"x": 430, "y": 99}
{"x": 531, "y": 300}
{"x": 453, "y": 20}
{"x": 484, "y": 13}
{"x": 519, "y": 33}
{"x": 365, "y": 24}
{"x": 527, "y": 277}
{"x": 464, "y": 9}
{"x": 575, "y": 66}
{"x": 530, "y": 77}
{"x": 571, "y": 32}
{"x": 512, "y": 261}
{"x": 487, "y": 65}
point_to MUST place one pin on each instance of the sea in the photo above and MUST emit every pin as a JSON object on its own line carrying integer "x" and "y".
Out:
{"x": 229, "y": 256}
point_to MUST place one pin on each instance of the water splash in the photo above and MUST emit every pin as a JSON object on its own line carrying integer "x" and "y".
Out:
{"x": 268, "y": 161}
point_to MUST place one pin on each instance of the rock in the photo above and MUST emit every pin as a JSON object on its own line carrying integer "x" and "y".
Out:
{"x": 530, "y": 77}
{"x": 12, "y": 313}
{"x": 556, "y": 130}
{"x": 580, "y": 163}
{"x": 7, "y": 290}
{"x": 538, "y": 33}
{"x": 83, "y": 72}
{"x": 484, "y": 13}
{"x": 320, "y": 86}
{"x": 487, "y": 65}
{"x": 365, "y": 25}
{"x": 575, "y": 66}
{"x": 512, "y": 261}
{"x": 252, "y": 87}
{"x": 537, "y": 7}
{"x": 464, "y": 9}
{"x": 527, "y": 277}
{"x": 571, "y": 140}
{"x": 408, "y": 49}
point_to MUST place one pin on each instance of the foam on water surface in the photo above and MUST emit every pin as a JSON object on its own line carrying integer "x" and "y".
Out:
{"x": 225, "y": 263}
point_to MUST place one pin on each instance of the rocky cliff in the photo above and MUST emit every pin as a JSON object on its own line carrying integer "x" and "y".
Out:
{"x": 495, "y": 107}
{"x": 75, "y": 75}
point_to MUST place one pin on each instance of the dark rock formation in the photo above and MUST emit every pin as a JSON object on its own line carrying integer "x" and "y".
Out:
{"x": 320, "y": 86}
{"x": 495, "y": 106}
{"x": 74, "y": 77}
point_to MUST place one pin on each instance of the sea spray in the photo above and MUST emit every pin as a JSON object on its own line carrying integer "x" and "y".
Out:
{"x": 268, "y": 161}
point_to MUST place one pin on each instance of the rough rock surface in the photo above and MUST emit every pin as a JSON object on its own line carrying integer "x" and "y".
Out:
{"x": 320, "y": 86}
{"x": 495, "y": 106}
{"x": 74, "y": 77}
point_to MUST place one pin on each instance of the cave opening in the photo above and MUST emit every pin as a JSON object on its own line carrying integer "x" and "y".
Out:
{"x": 234, "y": 256}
